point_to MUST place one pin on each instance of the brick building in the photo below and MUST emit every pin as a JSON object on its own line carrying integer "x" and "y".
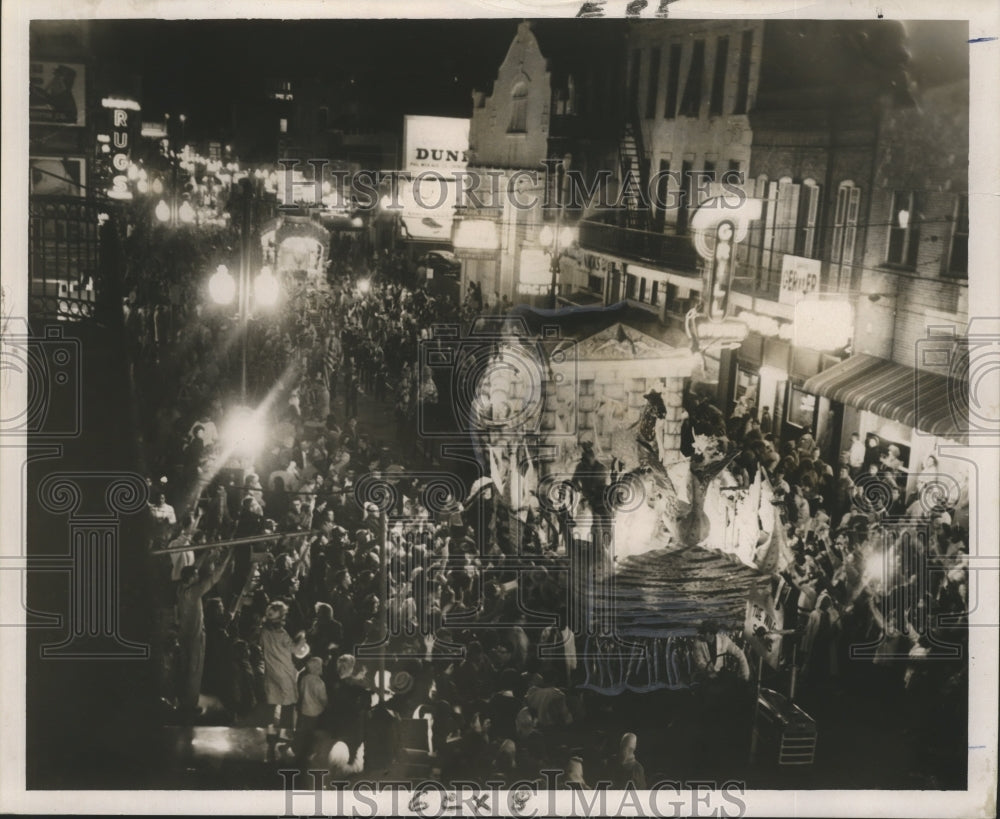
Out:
{"x": 911, "y": 305}
{"x": 690, "y": 85}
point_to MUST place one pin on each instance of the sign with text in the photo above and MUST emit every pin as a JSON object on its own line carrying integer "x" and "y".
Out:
{"x": 763, "y": 618}
{"x": 799, "y": 278}
{"x": 434, "y": 148}
{"x": 124, "y": 122}
{"x": 435, "y": 144}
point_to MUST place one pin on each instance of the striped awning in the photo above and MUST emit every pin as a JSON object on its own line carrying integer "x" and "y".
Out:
{"x": 932, "y": 403}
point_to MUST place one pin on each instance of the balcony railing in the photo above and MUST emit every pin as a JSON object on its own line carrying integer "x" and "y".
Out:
{"x": 660, "y": 249}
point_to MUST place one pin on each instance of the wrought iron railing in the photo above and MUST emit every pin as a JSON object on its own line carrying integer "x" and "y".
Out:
{"x": 64, "y": 257}
{"x": 661, "y": 249}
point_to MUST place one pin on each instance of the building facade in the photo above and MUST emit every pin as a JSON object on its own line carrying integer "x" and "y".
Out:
{"x": 822, "y": 127}
{"x": 690, "y": 85}
{"x": 911, "y": 306}
{"x": 553, "y": 106}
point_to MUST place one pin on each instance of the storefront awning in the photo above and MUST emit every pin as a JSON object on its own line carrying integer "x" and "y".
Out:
{"x": 915, "y": 398}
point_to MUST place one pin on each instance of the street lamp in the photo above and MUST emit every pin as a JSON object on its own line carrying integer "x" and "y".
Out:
{"x": 266, "y": 288}
{"x": 222, "y": 286}
{"x": 560, "y": 236}
{"x": 223, "y": 289}
{"x": 186, "y": 213}
{"x": 554, "y": 241}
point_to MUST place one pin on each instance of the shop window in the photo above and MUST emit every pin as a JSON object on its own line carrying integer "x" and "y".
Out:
{"x": 904, "y": 229}
{"x": 673, "y": 82}
{"x": 630, "y": 283}
{"x": 595, "y": 284}
{"x": 518, "y": 109}
{"x": 654, "y": 297}
{"x": 642, "y": 289}
{"x": 691, "y": 101}
{"x": 719, "y": 77}
{"x": 958, "y": 253}
{"x": 801, "y": 408}
{"x": 743, "y": 75}
{"x": 747, "y": 385}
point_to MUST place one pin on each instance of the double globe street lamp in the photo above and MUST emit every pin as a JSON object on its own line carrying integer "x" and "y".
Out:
{"x": 223, "y": 288}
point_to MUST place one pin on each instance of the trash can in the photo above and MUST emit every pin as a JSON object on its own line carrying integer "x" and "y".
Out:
{"x": 785, "y": 729}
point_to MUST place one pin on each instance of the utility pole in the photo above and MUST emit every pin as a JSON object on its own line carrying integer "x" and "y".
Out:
{"x": 246, "y": 214}
{"x": 561, "y": 184}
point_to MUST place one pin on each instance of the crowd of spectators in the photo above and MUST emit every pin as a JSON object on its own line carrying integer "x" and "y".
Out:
{"x": 878, "y": 585}
{"x": 273, "y": 625}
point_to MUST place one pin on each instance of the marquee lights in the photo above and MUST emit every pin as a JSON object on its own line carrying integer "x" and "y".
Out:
{"x": 123, "y": 104}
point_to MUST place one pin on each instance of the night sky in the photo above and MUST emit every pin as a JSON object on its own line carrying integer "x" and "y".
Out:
{"x": 199, "y": 67}
{"x": 411, "y": 66}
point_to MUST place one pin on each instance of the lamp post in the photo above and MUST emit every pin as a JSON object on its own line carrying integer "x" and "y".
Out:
{"x": 265, "y": 291}
{"x": 551, "y": 238}
{"x": 554, "y": 242}
{"x": 179, "y": 209}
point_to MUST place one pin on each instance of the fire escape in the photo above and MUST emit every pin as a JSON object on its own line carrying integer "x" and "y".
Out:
{"x": 634, "y": 164}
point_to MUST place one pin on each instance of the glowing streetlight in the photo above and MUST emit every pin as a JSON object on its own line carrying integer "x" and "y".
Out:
{"x": 244, "y": 433}
{"x": 266, "y": 289}
{"x": 222, "y": 286}
{"x": 364, "y": 286}
{"x": 186, "y": 213}
{"x": 163, "y": 211}
{"x": 157, "y": 186}
{"x": 142, "y": 186}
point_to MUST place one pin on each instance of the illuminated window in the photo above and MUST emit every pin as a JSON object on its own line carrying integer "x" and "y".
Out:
{"x": 904, "y": 229}
{"x": 283, "y": 125}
